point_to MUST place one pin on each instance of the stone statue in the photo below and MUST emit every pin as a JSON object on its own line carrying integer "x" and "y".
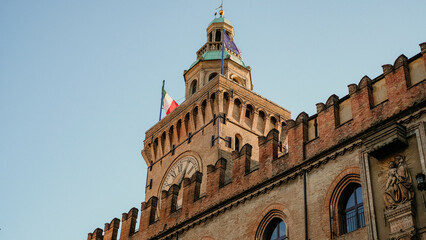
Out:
{"x": 399, "y": 186}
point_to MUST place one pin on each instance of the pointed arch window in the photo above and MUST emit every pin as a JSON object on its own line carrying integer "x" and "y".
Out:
{"x": 276, "y": 230}
{"x": 351, "y": 209}
{"x": 346, "y": 207}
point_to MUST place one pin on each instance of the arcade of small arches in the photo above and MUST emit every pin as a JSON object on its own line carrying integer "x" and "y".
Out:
{"x": 245, "y": 114}
{"x": 195, "y": 85}
{"x": 216, "y": 35}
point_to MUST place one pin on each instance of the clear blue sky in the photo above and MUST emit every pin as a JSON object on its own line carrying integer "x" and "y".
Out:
{"x": 80, "y": 84}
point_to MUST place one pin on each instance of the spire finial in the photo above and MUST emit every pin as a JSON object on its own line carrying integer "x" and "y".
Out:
{"x": 221, "y": 12}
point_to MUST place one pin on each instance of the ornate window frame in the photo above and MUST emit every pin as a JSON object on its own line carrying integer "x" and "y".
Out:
{"x": 335, "y": 192}
{"x": 272, "y": 212}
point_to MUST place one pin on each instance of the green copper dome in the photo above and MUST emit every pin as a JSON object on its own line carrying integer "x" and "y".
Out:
{"x": 217, "y": 55}
{"x": 220, "y": 20}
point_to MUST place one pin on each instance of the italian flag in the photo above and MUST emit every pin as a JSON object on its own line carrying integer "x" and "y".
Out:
{"x": 168, "y": 103}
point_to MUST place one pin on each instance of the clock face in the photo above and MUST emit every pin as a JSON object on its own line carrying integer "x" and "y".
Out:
{"x": 183, "y": 168}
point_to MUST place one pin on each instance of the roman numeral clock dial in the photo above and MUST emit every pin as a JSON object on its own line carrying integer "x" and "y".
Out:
{"x": 183, "y": 168}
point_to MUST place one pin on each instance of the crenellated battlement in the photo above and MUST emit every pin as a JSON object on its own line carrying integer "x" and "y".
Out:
{"x": 337, "y": 124}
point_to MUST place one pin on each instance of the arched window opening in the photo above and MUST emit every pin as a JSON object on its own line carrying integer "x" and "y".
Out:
{"x": 273, "y": 123}
{"x": 163, "y": 142}
{"x": 186, "y": 122}
{"x": 203, "y": 110}
{"x": 171, "y": 135}
{"x": 178, "y": 129}
{"x": 155, "y": 148}
{"x": 213, "y": 102}
{"x": 237, "y": 80}
{"x": 249, "y": 115}
{"x": 261, "y": 122}
{"x": 249, "y": 111}
{"x": 212, "y": 75}
{"x": 195, "y": 117}
{"x": 276, "y": 230}
{"x": 225, "y": 102}
{"x": 193, "y": 87}
{"x": 218, "y": 36}
{"x": 237, "y": 110}
{"x": 351, "y": 209}
{"x": 237, "y": 142}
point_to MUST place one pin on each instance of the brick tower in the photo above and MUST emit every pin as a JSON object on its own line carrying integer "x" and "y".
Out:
{"x": 220, "y": 114}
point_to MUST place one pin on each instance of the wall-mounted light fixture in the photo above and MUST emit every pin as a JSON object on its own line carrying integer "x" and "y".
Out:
{"x": 421, "y": 184}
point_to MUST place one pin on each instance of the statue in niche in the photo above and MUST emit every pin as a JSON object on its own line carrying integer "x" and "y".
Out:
{"x": 399, "y": 186}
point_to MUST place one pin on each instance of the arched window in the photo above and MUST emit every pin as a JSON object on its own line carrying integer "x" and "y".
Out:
{"x": 249, "y": 115}
{"x": 203, "y": 110}
{"x": 195, "y": 117}
{"x": 249, "y": 111}
{"x": 193, "y": 87}
{"x": 344, "y": 196}
{"x": 276, "y": 230}
{"x": 178, "y": 129}
{"x": 351, "y": 209}
{"x": 218, "y": 36}
{"x": 211, "y": 76}
{"x": 186, "y": 122}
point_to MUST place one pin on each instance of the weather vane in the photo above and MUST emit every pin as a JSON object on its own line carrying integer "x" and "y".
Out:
{"x": 221, "y": 9}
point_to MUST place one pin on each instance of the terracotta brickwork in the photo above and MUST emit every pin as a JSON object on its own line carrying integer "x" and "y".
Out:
{"x": 235, "y": 194}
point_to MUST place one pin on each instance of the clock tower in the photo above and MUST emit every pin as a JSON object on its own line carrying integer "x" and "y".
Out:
{"x": 220, "y": 114}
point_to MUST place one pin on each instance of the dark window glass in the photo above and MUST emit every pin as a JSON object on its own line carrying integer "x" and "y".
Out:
{"x": 218, "y": 37}
{"x": 237, "y": 143}
{"x": 277, "y": 230}
{"x": 194, "y": 87}
{"x": 352, "y": 213}
{"x": 213, "y": 75}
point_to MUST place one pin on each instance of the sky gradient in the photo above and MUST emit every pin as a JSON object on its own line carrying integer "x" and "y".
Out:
{"x": 80, "y": 83}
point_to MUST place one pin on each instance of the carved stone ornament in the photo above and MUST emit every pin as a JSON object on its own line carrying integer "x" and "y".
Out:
{"x": 399, "y": 185}
{"x": 401, "y": 222}
{"x": 398, "y": 196}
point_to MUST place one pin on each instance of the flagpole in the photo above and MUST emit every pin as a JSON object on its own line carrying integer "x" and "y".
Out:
{"x": 162, "y": 96}
{"x": 223, "y": 51}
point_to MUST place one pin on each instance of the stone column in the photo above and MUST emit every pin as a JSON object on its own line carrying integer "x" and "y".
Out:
{"x": 367, "y": 194}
